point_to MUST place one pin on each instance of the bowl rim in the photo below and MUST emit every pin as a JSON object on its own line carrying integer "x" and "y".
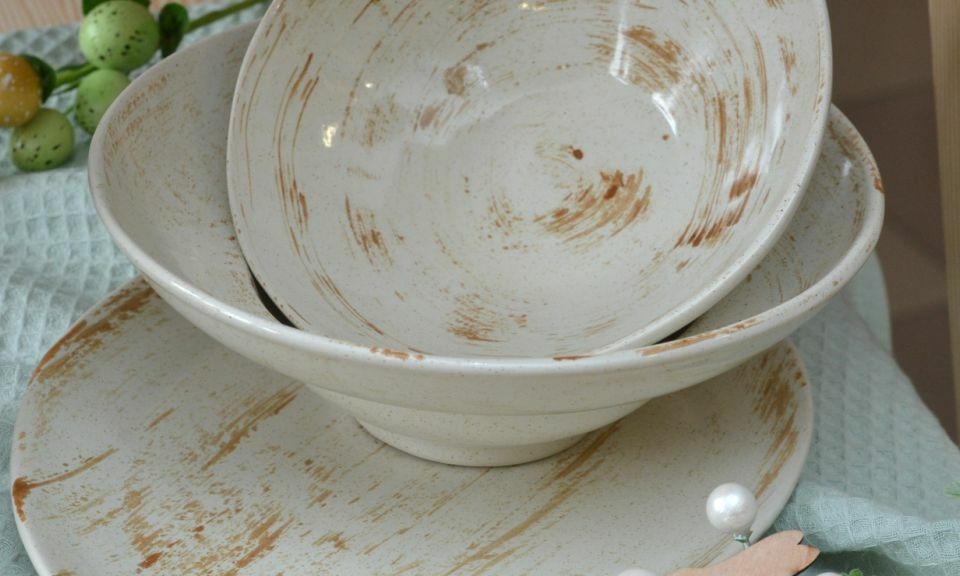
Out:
{"x": 770, "y": 233}
{"x": 332, "y": 349}
{"x": 696, "y": 303}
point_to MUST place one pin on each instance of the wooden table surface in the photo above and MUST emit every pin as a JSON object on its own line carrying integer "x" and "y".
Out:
{"x": 31, "y": 13}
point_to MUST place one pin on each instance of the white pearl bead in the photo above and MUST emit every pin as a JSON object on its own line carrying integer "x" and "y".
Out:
{"x": 731, "y": 508}
{"x": 636, "y": 572}
{"x": 830, "y": 574}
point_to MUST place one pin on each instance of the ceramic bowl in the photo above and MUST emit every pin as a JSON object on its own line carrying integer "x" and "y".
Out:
{"x": 529, "y": 179}
{"x": 157, "y": 175}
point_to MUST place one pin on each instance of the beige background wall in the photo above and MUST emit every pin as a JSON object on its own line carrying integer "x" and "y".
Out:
{"x": 883, "y": 82}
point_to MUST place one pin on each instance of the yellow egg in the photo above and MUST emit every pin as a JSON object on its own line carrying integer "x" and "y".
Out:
{"x": 20, "y": 91}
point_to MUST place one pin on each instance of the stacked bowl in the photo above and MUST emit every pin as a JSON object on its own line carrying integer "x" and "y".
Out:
{"x": 486, "y": 229}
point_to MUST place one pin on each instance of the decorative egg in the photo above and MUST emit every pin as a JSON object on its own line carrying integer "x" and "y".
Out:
{"x": 95, "y": 95}
{"x": 43, "y": 143}
{"x": 120, "y": 35}
{"x": 20, "y": 91}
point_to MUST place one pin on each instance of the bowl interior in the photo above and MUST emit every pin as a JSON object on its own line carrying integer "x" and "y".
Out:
{"x": 159, "y": 184}
{"x": 532, "y": 179}
{"x": 842, "y": 206}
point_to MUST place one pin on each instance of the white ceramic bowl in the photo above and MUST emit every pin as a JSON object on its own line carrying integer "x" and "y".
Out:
{"x": 157, "y": 175}
{"x": 520, "y": 179}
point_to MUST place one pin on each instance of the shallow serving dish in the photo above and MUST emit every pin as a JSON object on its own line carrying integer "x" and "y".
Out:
{"x": 157, "y": 175}
{"x": 529, "y": 179}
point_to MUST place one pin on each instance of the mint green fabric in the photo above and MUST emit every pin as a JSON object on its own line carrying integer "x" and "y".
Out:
{"x": 872, "y": 495}
{"x": 873, "y": 492}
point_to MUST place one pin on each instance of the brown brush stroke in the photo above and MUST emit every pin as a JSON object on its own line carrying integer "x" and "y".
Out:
{"x": 428, "y": 115}
{"x": 391, "y": 353}
{"x": 455, "y": 80}
{"x": 472, "y": 322}
{"x": 265, "y": 541}
{"x": 776, "y": 405}
{"x": 449, "y": 496}
{"x": 690, "y": 340}
{"x": 588, "y": 452}
{"x": 364, "y": 10}
{"x": 244, "y": 424}
{"x": 335, "y": 539}
{"x": 612, "y": 204}
{"x": 163, "y": 416}
{"x": 363, "y": 226}
{"x": 325, "y": 285}
{"x": 501, "y": 211}
{"x": 22, "y": 486}
{"x": 150, "y": 560}
{"x": 85, "y": 337}
{"x": 489, "y": 552}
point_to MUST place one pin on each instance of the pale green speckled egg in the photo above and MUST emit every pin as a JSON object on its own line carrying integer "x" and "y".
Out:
{"x": 42, "y": 143}
{"x": 95, "y": 94}
{"x": 119, "y": 35}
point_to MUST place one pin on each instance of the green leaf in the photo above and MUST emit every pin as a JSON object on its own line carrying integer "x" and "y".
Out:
{"x": 48, "y": 76}
{"x": 69, "y": 76}
{"x": 954, "y": 490}
{"x": 73, "y": 67}
{"x": 89, "y": 5}
{"x": 174, "y": 21}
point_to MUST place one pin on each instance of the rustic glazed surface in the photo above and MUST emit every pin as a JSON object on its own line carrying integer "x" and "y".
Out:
{"x": 209, "y": 464}
{"x": 157, "y": 174}
{"x": 525, "y": 179}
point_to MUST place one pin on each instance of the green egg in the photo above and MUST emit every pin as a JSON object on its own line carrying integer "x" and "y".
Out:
{"x": 42, "y": 143}
{"x": 95, "y": 94}
{"x": 119, "y": 35}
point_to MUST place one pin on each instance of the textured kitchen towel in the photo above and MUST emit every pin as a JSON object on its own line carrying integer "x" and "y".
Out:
{"x": 873, "y": 493}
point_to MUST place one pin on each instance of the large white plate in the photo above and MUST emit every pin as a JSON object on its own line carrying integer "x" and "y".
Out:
{"x": 144, "y": 446}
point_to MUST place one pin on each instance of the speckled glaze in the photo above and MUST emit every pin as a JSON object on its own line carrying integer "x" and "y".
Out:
{"x": 210, "y": 464}
{"x": 520, "y": 179}
{"x": 157, "y": 176}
